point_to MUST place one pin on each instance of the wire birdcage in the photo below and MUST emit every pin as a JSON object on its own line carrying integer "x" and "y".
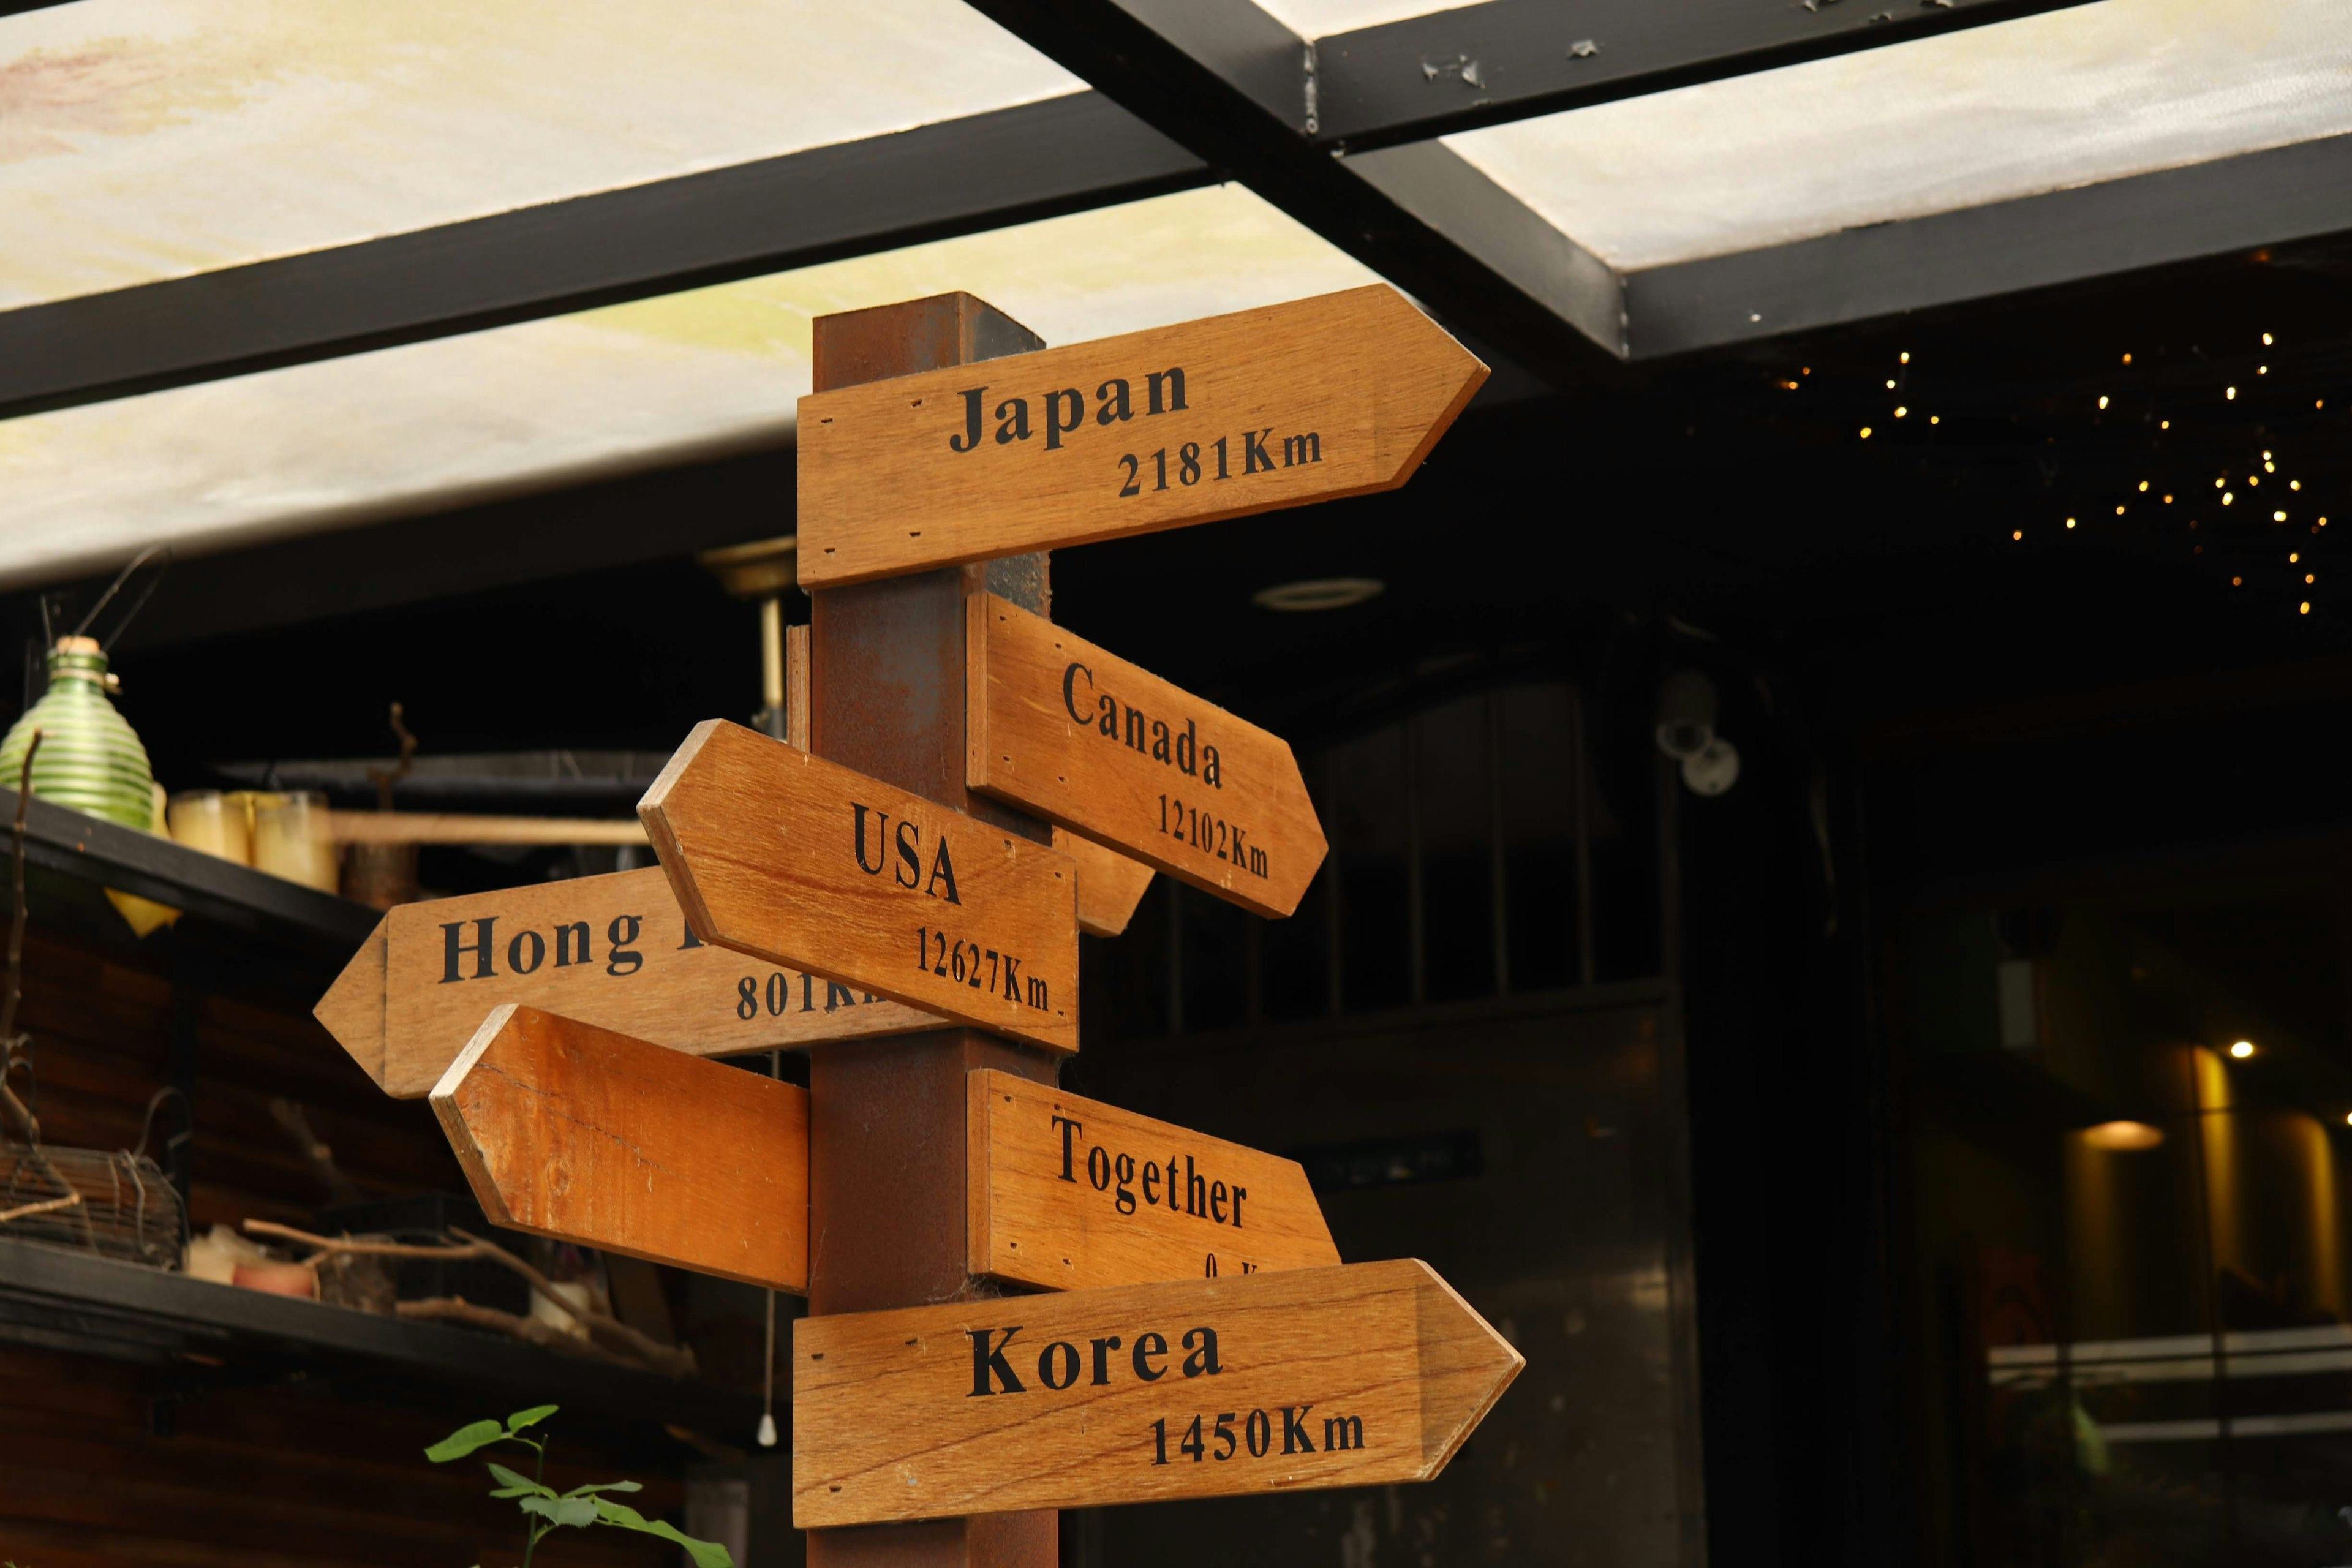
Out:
{"x": 118, "y": 1205}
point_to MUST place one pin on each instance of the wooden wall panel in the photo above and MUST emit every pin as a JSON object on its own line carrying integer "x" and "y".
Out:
{"x": 287, "y": 1475}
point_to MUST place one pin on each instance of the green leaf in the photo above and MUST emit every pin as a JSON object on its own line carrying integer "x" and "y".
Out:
{"x": 530, "y": 1417}
{"x": 465, "y": 1440}
{"x": 706, "y": 1553}
{"x": 605, "y": 1487}
{"x": 512, "y": 1483}
{"x": 573, "y": 1511}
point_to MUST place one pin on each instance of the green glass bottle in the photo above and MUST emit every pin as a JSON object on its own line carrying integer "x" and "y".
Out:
{"x": 90, "y": 758}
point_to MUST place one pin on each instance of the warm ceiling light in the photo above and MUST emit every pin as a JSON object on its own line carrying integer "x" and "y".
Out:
{"x": 2125, "y": 1136}
{"x": 2242, "y": 1049}
{"x": 1319, "y": 594}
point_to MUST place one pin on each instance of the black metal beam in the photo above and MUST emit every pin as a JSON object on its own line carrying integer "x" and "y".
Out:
{"x": 1510, "y": 59}
{"x": 2279, "y": 196}
{"x": 1213, "y": 75}
{"x": 985, "y": 171}
{"x": 1241, "y": 93}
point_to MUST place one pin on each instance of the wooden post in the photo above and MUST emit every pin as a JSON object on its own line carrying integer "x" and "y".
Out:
{"x": 886, "y": 1151}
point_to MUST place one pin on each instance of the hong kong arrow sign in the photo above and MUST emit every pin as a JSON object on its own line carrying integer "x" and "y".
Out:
{"x": 1070, "y": 1193}
{"x": 1055, "y": 724}
{"x": 569, "y": 1131}
{"x": 805, "y": 863}
{"x": 1219, "y": 417}
{"x": 612, "y": 951}
{"x": 1316, "y": 1377}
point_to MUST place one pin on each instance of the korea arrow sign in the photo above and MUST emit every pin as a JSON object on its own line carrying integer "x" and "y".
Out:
{"x": 1277, "y": 406}
{"x": 569, "y": 1131}
{"x": 1315, "y": 1377}
{"x": 806, "y": 863}
{"x": 1054, "y": 723}
{"x": 612, "y": 951}
{"x": 1070, "y": 1193}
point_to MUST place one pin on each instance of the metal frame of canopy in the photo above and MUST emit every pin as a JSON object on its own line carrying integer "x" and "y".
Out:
{"x": 1338, "y": 132}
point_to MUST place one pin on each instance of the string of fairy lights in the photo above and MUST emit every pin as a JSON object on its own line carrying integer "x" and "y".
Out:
{"x": 2227, "y": 450}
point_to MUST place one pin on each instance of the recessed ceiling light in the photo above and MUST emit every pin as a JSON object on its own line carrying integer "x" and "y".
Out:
{"x": 2242, "y": 1049}
{"x": 1319, "y": 594}
{"x": 2123, "y": 1136}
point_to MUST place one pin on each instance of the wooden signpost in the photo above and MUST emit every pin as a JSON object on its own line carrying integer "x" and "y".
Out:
{"x": 1068, "y": 1193}
{"x": 569, "y": 1131}
{"x": 801, "y": 861}
{"x": 1109, "y": 750}
{"x": 877, "y": 890}
{"x": 612, "y": 951}
{"x": 1277, "y": 406}
{"x": 1359, "y": 1375}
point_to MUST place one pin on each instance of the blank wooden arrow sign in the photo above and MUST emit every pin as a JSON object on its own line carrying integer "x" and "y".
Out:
{"x": 804, "y": 862}
{"x": 569, "y": 1131}
{"x": 1317, "y": 1377}
{"x": 1219, "y": 417}
{"x": 1108, "y": 749}
{"x": 1070, "y": 1193}
{"x": 612, "y": 951}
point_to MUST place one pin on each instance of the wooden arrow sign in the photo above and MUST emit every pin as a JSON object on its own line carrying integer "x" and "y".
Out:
{"x": 569, "y": 1131}
{"x": 1109, "y": 885}
{"x": 1070, "y": 1193}
{"x": 1313, "y": 1377}
{"x": 1220, "y": 417}
{"x": 612, "y": 951}
{"x": 802, "y": 862}
{"x": 1054, "y": 723}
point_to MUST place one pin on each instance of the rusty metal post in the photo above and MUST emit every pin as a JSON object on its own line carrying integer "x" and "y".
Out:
{"x": 887, "y": 1156}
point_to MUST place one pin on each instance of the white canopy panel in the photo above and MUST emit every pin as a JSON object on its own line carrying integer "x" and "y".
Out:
{"x": 1321, "y": 19}
{"x": 2070, "y": 97}
{"x": 149, "y": 139}
{"x": 435, "y": 423}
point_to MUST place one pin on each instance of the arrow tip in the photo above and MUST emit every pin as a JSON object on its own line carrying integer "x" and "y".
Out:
{"x": 353, "y": 1009}
{"x": 1465, "y": 1366}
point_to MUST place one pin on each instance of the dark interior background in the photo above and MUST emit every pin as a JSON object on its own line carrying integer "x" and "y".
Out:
{"x": 1931, "y": 677}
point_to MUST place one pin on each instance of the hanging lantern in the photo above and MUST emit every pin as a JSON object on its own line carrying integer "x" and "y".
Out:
{"x": 90, "y": 758}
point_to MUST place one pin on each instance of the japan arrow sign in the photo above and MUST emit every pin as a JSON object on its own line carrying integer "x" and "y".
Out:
{"x": 1357, "y": 1375}
{"x": 1277, "y": 406}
